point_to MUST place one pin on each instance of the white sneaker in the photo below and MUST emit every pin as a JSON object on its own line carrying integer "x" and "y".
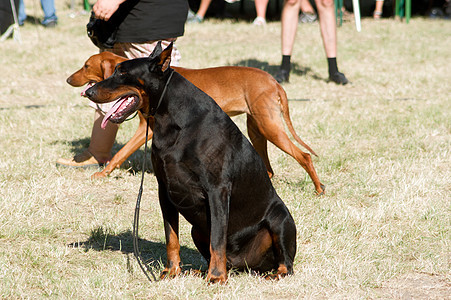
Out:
{"x": 259, "y": 21}
{"x": 307, "y": 18}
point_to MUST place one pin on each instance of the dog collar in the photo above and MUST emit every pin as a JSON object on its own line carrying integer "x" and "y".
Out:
{"x": 153, "y": 111}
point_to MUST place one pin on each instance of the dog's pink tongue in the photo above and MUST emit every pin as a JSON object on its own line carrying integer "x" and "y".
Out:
{"x": 83, "y": 93}
{"x": 110, "y": 112}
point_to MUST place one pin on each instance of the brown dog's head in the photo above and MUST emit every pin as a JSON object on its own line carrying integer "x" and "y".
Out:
{"x": 97, "y": 68}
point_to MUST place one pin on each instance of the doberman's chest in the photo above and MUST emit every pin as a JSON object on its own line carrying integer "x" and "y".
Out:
{"x": 183, "y": 185}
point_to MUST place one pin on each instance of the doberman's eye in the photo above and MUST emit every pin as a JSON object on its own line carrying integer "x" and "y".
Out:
{"x": 120, "y": 73}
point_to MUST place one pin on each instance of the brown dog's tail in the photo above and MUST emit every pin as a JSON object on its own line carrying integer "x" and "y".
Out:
{"x": 286, "y": 116}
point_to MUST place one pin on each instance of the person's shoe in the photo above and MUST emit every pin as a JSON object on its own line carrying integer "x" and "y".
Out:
{"x": 191, "y": 14}
{"x": 338, "y": 78}
{"x": 51, "y": 24}
{"x": 259, "y": 21}
{"x": 194, "y": 19}
{"x": 377, "y": 15}
{"x": 282, "y": 76}
{"x": 307, "y": 18}
{"x": 82, "y": 160}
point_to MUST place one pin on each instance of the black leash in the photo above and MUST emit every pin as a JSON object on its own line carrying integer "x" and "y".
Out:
{"x": 136, "y": 218}
{"x": 152, "y": 110}
{"x": 138, "y": 200}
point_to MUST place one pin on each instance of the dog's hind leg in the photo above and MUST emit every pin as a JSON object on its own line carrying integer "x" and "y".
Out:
{"x": 276, "y": 135}
{"x": 283, "y": 233}
{"x": 259, "y": 142}
{"x": 202, "y": 243}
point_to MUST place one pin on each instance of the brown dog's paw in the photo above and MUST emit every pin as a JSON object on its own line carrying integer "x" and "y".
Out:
{"x": 323, "y": 187}
{"x": 98, "y": 175}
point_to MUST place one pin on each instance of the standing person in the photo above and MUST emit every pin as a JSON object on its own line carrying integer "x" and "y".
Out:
{"x": 377, "y": 14}
{"x": 48, "y": 6}
{"x": 144, "y": 23}
{"x": 290, "y": 14}
{"x": 200, "y": 15}
{"x": 308, "y": 14}
{"x": 260, "y": 8}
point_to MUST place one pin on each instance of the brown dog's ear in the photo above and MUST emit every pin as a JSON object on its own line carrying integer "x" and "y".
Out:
{"x": 165, "y": 58}
{"x": 107, "y": 68}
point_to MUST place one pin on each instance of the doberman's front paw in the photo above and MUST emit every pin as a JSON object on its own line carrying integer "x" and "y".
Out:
{"x": 221, "y": 279}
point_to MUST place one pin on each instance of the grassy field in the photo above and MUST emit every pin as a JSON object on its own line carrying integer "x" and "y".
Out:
{"x": 381, "y": 231}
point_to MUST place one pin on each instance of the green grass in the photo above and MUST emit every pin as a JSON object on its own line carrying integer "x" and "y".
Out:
{"x": 384, "y": 154}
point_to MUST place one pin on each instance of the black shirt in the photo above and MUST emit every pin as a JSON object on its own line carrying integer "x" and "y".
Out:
{"x": 149, "y": 20}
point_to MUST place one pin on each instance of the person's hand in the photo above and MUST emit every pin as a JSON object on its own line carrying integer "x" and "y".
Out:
{"x": 104, "y": 9}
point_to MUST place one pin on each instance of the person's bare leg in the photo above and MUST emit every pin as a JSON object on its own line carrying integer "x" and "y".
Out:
{"x": 102, "y": 140}
{"x": 377, "y": 14}
{"x": 260, "y": 9}
{"x": 328, "y": 27}
{"x": 99, "y": 150}
{"x": 204, "y": 4}
{"x": 290, "y": 15}
{"x": 306, "y": 7}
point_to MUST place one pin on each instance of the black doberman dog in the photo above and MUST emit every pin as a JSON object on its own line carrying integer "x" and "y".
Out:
{"x": 206, "y": 170}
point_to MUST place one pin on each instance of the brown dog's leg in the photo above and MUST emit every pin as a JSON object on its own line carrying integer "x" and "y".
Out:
{"x": 132, "y": 145}
{"x": 259, "y": 142}
{"x": 304, "y": 159}
{"x": 274, "y": 133}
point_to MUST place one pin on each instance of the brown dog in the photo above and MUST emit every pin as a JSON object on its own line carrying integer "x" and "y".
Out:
{"x": 237, "y": 90}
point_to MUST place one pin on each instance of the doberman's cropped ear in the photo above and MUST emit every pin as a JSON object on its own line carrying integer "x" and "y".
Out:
{"x": 165, "y": 58}
{"x": 107, "y": 66}
{"x": 156, "y": 51}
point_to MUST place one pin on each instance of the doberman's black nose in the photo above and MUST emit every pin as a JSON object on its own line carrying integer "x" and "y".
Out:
{"x": 89, "y": 92}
